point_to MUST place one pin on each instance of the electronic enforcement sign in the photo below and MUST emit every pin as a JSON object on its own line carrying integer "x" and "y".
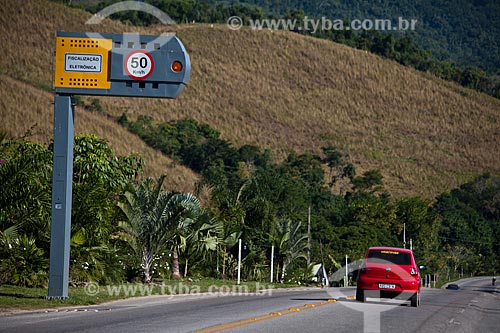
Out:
{"x": 100, "y": 64}
{"x": 120, "y": 65}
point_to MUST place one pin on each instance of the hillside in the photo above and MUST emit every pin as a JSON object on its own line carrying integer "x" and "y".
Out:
{"x": 463, "y": 31}
{"x": 277, "y": 90}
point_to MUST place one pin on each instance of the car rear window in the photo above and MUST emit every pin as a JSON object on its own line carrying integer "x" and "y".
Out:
{"x": 389, "y": 256}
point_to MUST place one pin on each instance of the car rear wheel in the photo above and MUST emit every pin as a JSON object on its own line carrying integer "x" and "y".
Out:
{"x": 415, "y": 300}
{"x": 360, "y": 295}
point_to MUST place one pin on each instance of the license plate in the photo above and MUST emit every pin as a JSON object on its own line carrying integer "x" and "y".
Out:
{"x": 386, "y": 286}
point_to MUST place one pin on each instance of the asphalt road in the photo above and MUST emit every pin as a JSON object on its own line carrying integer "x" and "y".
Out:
{"x": 475, "y": 307}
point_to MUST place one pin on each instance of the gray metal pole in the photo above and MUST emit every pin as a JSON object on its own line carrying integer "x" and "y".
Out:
{"x": 346, "y": 282}
{"x": 308, "y": 236}
{"x": 404, "y": 235}
{"x": 60, "y": 229}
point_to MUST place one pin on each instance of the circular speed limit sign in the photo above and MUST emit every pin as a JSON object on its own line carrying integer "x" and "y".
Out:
{"x": 139, "y": 65}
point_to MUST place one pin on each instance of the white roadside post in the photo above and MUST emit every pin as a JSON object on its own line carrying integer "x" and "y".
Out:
{"x": 239, "y": 260}
{"x": 272, "y": 263}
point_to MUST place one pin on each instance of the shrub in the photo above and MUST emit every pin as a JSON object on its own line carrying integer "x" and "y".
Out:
{"x": 23, "y": 263}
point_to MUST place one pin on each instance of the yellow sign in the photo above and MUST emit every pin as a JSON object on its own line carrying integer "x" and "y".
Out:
{"x": 389, "y": 252}
{"x": 82, "y": 63}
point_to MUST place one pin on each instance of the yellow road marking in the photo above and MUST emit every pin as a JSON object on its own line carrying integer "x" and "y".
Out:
{"x": 249, "y": 321}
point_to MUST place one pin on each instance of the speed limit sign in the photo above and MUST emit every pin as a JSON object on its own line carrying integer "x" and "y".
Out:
{"x": 139, "y": 65}
{"x": 120, "y": 65}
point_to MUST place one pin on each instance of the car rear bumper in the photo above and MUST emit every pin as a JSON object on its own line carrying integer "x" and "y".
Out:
{"x": 400, "y": 286}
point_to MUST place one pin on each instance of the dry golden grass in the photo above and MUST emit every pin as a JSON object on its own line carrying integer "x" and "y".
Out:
{"x": 278, "y": 90}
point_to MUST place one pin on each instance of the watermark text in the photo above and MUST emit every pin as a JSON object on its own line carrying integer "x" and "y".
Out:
{"x": 130, "y": 290}
{"x": 315, "y": 25}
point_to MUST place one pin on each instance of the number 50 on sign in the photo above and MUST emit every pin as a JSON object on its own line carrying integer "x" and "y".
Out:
{"x": 139, "y": 65}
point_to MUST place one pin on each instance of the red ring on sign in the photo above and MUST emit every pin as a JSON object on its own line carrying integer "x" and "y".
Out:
{"x": 139, "y": 78}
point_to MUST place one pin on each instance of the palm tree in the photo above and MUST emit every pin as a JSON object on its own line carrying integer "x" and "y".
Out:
{"x": 178, "y": 243}
{"x": 156, "y": 218}
{"x": 229, "y": 211}
{"x": 290, "y": 243}
{"x": 201, "y": 241}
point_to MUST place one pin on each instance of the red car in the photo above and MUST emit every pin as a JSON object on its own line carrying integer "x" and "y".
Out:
{"x": 389, "y": 272}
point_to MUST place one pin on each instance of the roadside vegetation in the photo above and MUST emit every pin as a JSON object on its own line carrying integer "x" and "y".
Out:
{"x": 129, "y": 229}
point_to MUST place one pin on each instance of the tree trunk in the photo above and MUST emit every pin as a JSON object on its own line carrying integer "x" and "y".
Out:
{"x": 176, "y": 274}
{"x": 277, "y": 277}
{"x": 283, "y": 272}
{"x": 186, "y": 268}
{"x": 147, "y": 260}
{"x": 224, "y": 264}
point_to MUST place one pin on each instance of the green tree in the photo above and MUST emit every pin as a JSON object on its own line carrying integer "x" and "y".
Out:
{"x": 470, "y": 216}
{"x": 25, "y": 175}
{"x": 341, "y": 172}
{"x": 291, "y": 244}
{"x": 370, "y": 181}
{"x": 155, "y": 218}
{"x": 202, "y": 244}
{"x": 422, "y": 227}
{"x": 182, "y": 229}
{"x": 99, "y": 178}
{"x": 226, "y": 207}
